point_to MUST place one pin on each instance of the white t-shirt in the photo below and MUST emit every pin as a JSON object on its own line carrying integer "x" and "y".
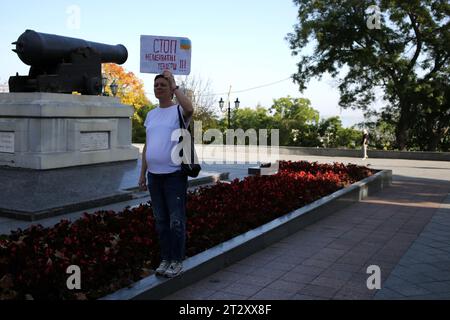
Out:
{"x": 160, "y": 124}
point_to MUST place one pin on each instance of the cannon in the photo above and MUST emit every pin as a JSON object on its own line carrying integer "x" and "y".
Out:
{"x": 63, "y": 65}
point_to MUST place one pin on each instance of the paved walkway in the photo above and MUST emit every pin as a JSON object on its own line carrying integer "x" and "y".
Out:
{"x": 424, "y": 271}
{"x": 403, "y": 229}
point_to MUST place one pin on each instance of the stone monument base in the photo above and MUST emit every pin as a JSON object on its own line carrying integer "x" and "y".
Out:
{"x": 62, "y": 152}
{"x": 31, "y": 195}
{"x": 37, "y": 194}
{"x": 47, "y": 131}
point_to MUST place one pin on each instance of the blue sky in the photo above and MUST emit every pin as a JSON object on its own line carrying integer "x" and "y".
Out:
{"x": 236, "y": 42}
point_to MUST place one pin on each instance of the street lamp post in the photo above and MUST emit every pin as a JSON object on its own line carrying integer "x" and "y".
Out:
{"x": 104, "y": 84}
{"x": 236, "y": 105}
{"x": 113, "y": 86}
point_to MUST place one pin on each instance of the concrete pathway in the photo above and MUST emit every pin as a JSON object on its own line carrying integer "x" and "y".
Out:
{"x": 424, "y": 271}
{"x": 403, "y": 230}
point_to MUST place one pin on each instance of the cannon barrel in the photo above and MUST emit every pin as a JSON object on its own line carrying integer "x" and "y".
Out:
{"x": 35, "y": 48}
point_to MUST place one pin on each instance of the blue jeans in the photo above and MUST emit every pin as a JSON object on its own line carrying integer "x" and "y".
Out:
{"x": 168, "y": 194}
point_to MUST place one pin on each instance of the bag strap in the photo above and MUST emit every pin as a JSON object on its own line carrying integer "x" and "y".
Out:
{"x": 180, "y": 119}
{"x": 183, "y": 126}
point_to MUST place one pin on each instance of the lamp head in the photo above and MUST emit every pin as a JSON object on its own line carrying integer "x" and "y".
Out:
{"x": 114, "y": 88}
{"x": 237, "y": 103}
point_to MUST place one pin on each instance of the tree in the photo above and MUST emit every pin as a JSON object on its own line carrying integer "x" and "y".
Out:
{"x": 381, "y": 132}
{"x": 256, "y": 119}
{"x": 349, "y": 138}
{"x": 334, "y": 135}
{"x": 432, "y": 123}
{"x": 139, "y": 133}
{"x": 131, "y": 92}
{"x": 328, "y": 130}
{"x": 130, "y": 88}
{"x": 298, "y": 124}
{"x": 296, "y": 120}
{"x": 246, "y": 118}
{"x": 203, "y": 100}
{"x": 406, "y": 54}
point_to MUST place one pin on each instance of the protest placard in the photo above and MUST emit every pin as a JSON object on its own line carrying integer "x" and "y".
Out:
{"x": 159, "y": 53}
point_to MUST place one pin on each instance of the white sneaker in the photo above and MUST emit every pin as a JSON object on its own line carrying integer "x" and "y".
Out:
{"x": 162, "y": 267}
{"x": 174, "y": 269}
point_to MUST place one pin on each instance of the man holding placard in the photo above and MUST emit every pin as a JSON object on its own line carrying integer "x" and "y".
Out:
{"x": 165, "y": 180}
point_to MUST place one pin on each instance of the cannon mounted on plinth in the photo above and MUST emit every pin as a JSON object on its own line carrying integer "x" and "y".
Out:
{"x": 63, "y": 65}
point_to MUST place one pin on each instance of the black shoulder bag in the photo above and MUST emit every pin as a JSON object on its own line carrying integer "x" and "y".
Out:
{"x": 189, "y": 167}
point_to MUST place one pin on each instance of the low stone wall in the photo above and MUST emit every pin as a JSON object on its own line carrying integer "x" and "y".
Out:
{"x": 254, "y": 154}
{"x": 328, "y": 152}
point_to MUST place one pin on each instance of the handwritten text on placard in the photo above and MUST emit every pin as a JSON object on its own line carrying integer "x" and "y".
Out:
{"x": 161, "y": 53}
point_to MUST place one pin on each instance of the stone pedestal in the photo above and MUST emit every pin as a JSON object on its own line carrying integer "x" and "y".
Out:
{"x": 48, "y": 131}
{"x": 62, "y": 152}
{"x": 27, "y": 194}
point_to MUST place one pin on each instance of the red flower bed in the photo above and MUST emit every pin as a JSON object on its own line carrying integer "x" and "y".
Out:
{"x": 115, "y": 250}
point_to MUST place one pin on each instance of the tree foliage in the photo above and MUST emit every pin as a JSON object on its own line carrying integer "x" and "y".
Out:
{"x": 130, "y": 88}
{"x": 407, "y": 56}
{"x": 200, "y": 93}
{"x": 130, "y": 92}
{"x": 298, "y": 124}
{"x": 295, "y": 117}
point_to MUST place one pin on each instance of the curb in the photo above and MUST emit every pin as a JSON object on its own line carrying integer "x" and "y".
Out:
{"x": 223, "y": 255}
{"x": 121, "y": 196}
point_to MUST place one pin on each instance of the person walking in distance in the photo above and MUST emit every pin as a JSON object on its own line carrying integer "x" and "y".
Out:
{"x": 365, "y": 143}
{"x": 166, "y": 182}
